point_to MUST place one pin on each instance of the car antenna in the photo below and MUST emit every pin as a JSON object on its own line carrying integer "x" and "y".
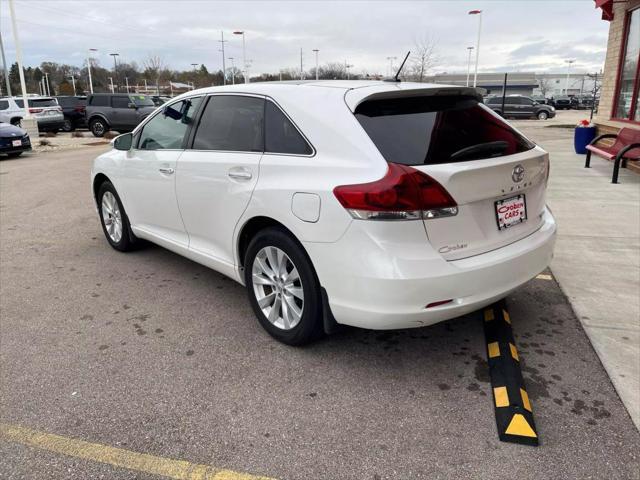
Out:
{"x": 395, "y": 78}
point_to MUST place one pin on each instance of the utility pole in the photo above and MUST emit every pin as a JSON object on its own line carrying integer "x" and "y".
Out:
{"x": 4, "y": 68}
{"x": 224, "y": 65}
{"x": 316, "y": 52}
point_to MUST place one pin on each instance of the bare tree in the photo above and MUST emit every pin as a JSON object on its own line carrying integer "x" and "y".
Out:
{"x": 544, "y": 85}
{"x": 423, "y": 58}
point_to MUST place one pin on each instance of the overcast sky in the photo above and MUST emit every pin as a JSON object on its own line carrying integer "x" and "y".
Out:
{"x": 516, "y": 35}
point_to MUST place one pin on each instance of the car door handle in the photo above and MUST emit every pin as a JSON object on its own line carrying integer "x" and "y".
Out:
{"x": 166, "y": 170}
{"x": 240, "y": 173}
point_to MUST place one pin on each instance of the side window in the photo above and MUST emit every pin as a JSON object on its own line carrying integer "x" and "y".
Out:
{"x": 4, "y": 105}
{"x": 100, "y": 101}
{"x": 281, "y": 136}
{"x": 166, "y": 130}
{"x": 231, "y": 123}
{"x": 526, "y": 101}
{"x": 120, "y": 102}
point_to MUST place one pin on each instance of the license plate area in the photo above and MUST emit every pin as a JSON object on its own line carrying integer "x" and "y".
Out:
{"x": 511, "y": 211}
{"x": 16, "y": 143}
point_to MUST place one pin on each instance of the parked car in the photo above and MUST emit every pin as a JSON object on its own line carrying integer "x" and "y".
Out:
{"x": 13, "y": 140}
{"x": 582, "y": 102}
{"x": 74, "y": 111}
{"x": 521, "y": 107}
{"x": 541, "y": 100}
{"x": 116, "y": 111}
{"x": 45, "y": 110}
{"x": 563, "y": 103}
{"x": 374, "y": 204}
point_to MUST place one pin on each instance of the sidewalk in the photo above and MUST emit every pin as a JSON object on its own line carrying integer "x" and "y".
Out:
{"x": 597, "y": 258}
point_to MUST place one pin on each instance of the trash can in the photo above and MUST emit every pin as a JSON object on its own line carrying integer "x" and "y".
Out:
{"x": 582, "y": 138}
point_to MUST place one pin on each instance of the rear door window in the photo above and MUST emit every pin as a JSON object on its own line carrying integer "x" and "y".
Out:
{"x": 437, "y": 129}
{"x": 120, "y": 102}
{"x": 100, "y": 101}
{"x": 4, "y": 105}
{"x": 231, "y": 123}
{"x": 281, "y": 136}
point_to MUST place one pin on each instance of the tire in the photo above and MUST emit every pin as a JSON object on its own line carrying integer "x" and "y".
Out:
{"x": 98, "y": 127}
{"x": 14, "y": 154}
{"x": 543, "y": 115}
{"x": 300, "y": 322}
{"x": 111, "y": 214}
{"x": 68, "y": 125}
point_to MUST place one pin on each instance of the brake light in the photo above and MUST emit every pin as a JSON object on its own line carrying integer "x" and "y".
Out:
{"x": 80, "y": 108}
{"x": 35, "y": 110}
{"x": 404, "y": 193}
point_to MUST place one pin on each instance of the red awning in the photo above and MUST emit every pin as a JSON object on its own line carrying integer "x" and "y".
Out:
{"x": 607, "y": 9}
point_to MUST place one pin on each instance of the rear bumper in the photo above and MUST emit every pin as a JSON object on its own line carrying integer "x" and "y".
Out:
{"x": 380, "y": 286}
{"x": 54, "y": 123}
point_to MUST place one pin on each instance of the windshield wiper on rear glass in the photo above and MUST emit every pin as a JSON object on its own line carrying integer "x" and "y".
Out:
{"x": 481, "y": 150}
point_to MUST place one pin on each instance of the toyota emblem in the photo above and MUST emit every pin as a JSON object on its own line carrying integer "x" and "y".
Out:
{"x": 518, "y": 173}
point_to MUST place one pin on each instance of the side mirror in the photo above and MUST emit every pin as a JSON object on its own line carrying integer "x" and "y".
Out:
{"x": 535, "y": 103}
{"x": 123, "y": 142}
{"x": 132, "y": 105}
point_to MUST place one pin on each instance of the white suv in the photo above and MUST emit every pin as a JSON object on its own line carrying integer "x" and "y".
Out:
{"x": 45, "y": 110}
{"x": 373, "y": 204}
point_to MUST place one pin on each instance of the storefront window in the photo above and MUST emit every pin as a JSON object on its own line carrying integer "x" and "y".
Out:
{"x": 627, "y": 94}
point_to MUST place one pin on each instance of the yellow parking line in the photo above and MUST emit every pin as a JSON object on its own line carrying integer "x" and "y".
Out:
{"x": 118, "y": 457}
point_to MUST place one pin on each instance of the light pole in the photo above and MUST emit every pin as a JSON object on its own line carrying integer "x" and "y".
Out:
{"x": 301, "y": 70}
{"x": 89, "y": 68}
{"x": 224, "y": 65}
{"x": 315, "y": 50}
{"x": 233, "y": 71}
{"x": 195, "y": 74}
{"x": 115, "y": 69}
{"x": 566, "y": 83}
{"x": 469, "y": 64}
{"x": 46, "y": 76}
{"x": 126, "y": 81}
{"x": 347, "y": 67}
{"x": 245, "y": 72}
{"x": 4, "y": 68}
{"x": 111, "y": 81}
{"x": 391, "y": 59}
{"x": 73, "y": 82}
{"x": 475, "y": 74}
{"x": 16, "y": 40}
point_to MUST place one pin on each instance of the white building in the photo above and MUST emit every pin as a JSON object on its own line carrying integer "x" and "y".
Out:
{"x": 556, "y": 84}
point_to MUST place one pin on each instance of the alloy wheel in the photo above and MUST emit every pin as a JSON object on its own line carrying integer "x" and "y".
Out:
{"x": 277, "y": 287}
{"x": 112, "y": 217}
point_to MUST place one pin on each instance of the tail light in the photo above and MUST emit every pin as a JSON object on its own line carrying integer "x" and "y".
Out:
{"x": 59, "y": 109}
{"x": 80, "y": 109}
{"x": 35, "y": 110}
{"x": 404, "y": 193}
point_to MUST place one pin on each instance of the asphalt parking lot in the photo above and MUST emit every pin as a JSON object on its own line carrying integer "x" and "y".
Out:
{"x": 152, "y": 353}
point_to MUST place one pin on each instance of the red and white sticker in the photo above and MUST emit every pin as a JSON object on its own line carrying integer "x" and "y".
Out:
{"x": 511, "y": 211}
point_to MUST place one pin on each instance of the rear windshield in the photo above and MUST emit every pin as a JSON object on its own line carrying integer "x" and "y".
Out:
{"x": 38, "y": 102}
{"x": 437, "y": 129}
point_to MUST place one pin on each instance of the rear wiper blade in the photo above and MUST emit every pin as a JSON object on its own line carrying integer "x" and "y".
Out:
{"x": 490, "y": 148}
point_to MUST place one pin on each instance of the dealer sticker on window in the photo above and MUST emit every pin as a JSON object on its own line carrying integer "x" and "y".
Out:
{"x": 511, "y": 211}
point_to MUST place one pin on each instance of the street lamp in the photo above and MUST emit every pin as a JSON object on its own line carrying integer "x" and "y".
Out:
{"x": 347, "y": 67}
{"x": 316, "y": 52}
{"x": 391, "y": 59}
{"x": 195, "y": 74}
{"x": 224, "y": 65}
{"x": 115, "y": 69}
{"x": 475, "y": 74}
{"x": 245, "y": 72}
{"x": 73, "y": 82}
{"x": 469, "y": 64}
{"x": 566, "y": 84}
{"x": 111, "y": 81}
{"x": 89, "y": 68}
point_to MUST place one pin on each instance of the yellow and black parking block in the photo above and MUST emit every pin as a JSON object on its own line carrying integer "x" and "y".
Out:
{"x": 514, "y": 416}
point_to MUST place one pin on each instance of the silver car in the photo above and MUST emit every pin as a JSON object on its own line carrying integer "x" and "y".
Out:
{"x": 45, "y": 110}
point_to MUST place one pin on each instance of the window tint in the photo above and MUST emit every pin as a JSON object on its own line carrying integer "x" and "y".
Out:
{"x": 120, "y": 102}
{"x": 437, "y": 129}
{"x": 142, "y": 101}
{"x": 100, "y": 100}
{"x": 167, "y": 129}
{"x": 4, "y": 104}
{"x": 526, "y": 101}
{"x": 231, "y": 122}
{"x": 281, "y": 136}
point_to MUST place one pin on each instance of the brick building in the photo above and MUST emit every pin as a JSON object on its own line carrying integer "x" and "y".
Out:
{"x": 619, "y": 97}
